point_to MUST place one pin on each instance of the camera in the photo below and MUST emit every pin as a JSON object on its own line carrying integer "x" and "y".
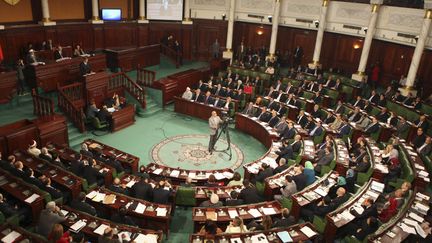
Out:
{"x": 316, "y": 22}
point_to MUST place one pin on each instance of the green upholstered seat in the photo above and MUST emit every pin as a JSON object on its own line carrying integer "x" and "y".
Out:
{"x": 319, "y": 223}
{"x": 185, "y": 196}
{"x": 260, "y": 187}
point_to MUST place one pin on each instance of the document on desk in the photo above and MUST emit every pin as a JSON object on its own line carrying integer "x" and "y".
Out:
{"x": 268, "y": 211}
{"x": 11, "y": 237}
{"x": 260, "y": 238}
{"x": 407, "y": 229}
{"x": 321, "y": 192}
{"x": 99, "y": 197}
{"x": 192, "y": 175}
{"x": 125, "y": 236}
{"x": 232, "y": 213}
{"x": 77, "y": 226}
{"x": 416, "y": 217}
{"x": 359, "y": 209}
{"x": 109, "y": 199}
{"x": 308, "y": 231}
{"x": 92, "y": 194}
{"x": 32, "y": 198}
{"x": 211, "y": 215}
{"x": 100, "y": 230}
{"x": 219, "y": 176}
{"x": 228, "y": 174}
{"x": 347, "y": 216}
{"x": 236, "y": 240}
{"x": 175, "y": 173}
{"x": 149, "y": 238}
{"x": 377, "y": 186}
{"x": 420, "y": 231}
{"x": 284, "y": 237}
{"x": 140, "y": 208}
{"x": 157, "y": 171}
{"x": 130, "y": 183}
{"x": 254, "y": 212}
{"x": 161, "y": 212}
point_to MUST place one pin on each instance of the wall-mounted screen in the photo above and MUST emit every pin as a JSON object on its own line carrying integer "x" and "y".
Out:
{"x": 111, "y": 14}
{"x": 165, "y": 10}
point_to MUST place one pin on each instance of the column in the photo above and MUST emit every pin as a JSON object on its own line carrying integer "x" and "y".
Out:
{"x": 142, "y": 16}
{"x": 275, "y": 25}
{"x": 95, "y": 12}
{"x": 412, "y": 73}
{"x": 187, "y": 18}
{"x": 320, "y": 35}
{"x": 368, "y": 40}
{"x": 46, "y": 14}
{"x": 229, "y": 53}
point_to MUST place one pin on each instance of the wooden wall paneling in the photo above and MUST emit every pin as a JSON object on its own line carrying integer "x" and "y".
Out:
{"x": 143, "y": 34}
{"x": 75, "y": 34}
{"x": 17, "y": 40}
{"x": 305, "y": 39}
{"x": 158, "y": 30}
{"x": 119, "y": 35}
{"x": 186, "y": 41}
{"x": 425, "y": 73}
{"x": 205, "y": 33}
{"x": 98, "y": 37}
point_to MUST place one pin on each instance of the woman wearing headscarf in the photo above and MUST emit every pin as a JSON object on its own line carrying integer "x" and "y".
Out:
{"x": 309, "y": 172}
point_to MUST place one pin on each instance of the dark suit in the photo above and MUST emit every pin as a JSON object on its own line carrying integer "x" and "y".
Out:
{"x": 90, "y": 174}
{"x": 273, "y": 121}
{"x": 264, "y": 117}
{"x": 284, "y": 222}
{"x": 233, "y": 202}
{"x": 424, "y": 125}
{"x": 7, "y": 209}
{"x": 374, "y": 99}
{"x": 279, "y": 169}
{"x": 262, "y": 175}
{"x": 358, "y": 103}
{"x": 160, "y": 195}
{"x": 382, "y": 117}
{"x": 55, "y": 193}
{"x": 118, "y": 189}
{"x": 122, "y": 219}
{"x": 103, "y": 115}
{"x": 84, "y": 68}
{"x": 249, "y": 195}
{"x": 296, "y": 146}
{"x": 200, "y": 97}
{"x": 344, "y": 130}
{"x": 285, "y": 152}
{"x": 339, "y": 109}
{"x": 83, "y": 207}
{"x": 302, "y": 121}
{"x": 142, "y": 190}
{"x": 57, "y": 55}
{"x": 373, "y": 128}
{"x": 300, "y": 181}
{"x": 288, "y": 133}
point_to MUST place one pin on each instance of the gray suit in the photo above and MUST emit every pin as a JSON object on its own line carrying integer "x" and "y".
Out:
{"x": 214, "y": 122}
{"x": 47, "y": 219}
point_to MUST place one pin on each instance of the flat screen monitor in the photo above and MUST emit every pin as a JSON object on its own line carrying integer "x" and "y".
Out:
{"x": 111, "y": 14}
{"x": 165, "y": 10}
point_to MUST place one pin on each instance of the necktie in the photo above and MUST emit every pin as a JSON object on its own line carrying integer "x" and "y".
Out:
{"x": 313, "y": 131}
{"x": 206, "y": 101}
{"x": 422, "y": 147}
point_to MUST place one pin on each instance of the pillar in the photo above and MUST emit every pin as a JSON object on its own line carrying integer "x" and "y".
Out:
{"x": 187, "y": 18}
{"x": 320, "y": 35}
{"x": 368, "y": 40}
{"x": 229, "y": 53}
{"x": 46, "y": 14}
{"x": 142, "y": 16}
{"x": 412, "y": 73}
{"x": 275, "y": 26}
{"x": 95, "y": 13}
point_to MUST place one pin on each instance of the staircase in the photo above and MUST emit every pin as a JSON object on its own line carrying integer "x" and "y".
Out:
{"x": 75, "y": 136}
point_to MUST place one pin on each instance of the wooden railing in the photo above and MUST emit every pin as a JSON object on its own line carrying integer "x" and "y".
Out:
{"x": 145, "y": 77}
{"x": 42, "y": 106}
{"x": 173, "y": 55}
{"x": 121, "y": 80}
{"x": 68, "y": 104}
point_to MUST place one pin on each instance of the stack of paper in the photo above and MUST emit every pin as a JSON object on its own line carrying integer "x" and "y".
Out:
{"x": 268, "y": 211}
{"x": 140, "y": 208}
{"x": 92, "y": 194}
{"x": 99, "y": 197}
{"x": 232, "y": 213}
{"x": 261, "y": 238}
{"x": 157, "y": 171}
{"x": 100, "y": 230}
{"x": 219, "y": 176}
{"x": 11, "y": 237}
{"x": 161, "y": 212}
{"x": 109, "y": 199}
{"x": 77, "y": 226}
{"x": 254, "y": 212}
{"x": 284, "y": 237}
{"x": 211, "y": 215}
{"x": 308, "y": 231}
{"x": 149, "y": 238}
{"x": 228, "y": 174}
{"x": 32, "y": 198}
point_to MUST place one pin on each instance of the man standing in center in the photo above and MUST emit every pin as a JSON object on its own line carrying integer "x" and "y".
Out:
{"x": 214, "y": 122}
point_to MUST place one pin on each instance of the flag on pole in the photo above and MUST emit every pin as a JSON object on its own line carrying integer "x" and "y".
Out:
{"x": 1, "y": 54}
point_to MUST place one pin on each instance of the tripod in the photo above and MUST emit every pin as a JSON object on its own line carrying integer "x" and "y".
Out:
{"x": 224, "y": 129}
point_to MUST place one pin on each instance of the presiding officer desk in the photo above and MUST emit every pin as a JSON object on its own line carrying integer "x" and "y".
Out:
{"x": 128, "y": 161}
{"x": 223, "y": 215}
{"x": 296, "y": 233}
{"x": 92, "y": 227}
{"x": 199, "y": 177}
{"x": 61, "y": 177}
{"x": 194, "y": 109}
{"x": 24, "y": 192}
{"x": 146, "y": 214}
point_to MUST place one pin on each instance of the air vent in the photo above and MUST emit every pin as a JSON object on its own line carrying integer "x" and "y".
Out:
{"x": 406, "y": 35}
{"x": 352, "y": 27}
{"x": 307, "y": 21}
{"x": 255, "y": 16}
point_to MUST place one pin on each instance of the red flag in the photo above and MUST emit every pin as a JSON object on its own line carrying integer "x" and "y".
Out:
{"x": 1, "y": 54}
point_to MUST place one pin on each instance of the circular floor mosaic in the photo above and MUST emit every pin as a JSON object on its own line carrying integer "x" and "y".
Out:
{"x": 191, "y": 152}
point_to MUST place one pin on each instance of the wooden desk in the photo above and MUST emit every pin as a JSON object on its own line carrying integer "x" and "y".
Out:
{"x": 123, "y": 117}
{"x": 342, "y": 156}
{"x": 194, "y": 109}
{"x": 421, "y": 175}
{"x": 270, "y": 235}
{"x": 17, "y": 135}
{"x": 252, "y": 169}
{"x": 380, "y": 170}
{"x": 223, "y": 219}
{"x": 255, "y": 129}
{"x": 299, "y": 200}
{"x": 148, "y": 219}
{"x": 70, "y": 156}
{"x": 74, "y": 216}
{"x": 60, "y": 73}
{"x": 199, "y": 177}
{"x": 8, "y": 86}
{"x": 127, "y": 160}
{"x": 21, "y": 190}
{"x": 25, "y": 236}
{"x": 58, "y": 176}
{"x": 202, "y": 193}
{"x": 128, "y": 59}
{"x": 274, "y": 183}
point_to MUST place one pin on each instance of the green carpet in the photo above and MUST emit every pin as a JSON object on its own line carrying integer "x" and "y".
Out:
{"x": 152, "y": 126}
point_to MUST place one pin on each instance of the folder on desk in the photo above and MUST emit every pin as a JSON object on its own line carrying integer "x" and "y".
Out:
{"x": 109, "y": 199}
{"x": 11, "y": 237}
{"x": 32, "y": 198}
{"x": 284, "y": 236}
{"x": 211, "y": 215}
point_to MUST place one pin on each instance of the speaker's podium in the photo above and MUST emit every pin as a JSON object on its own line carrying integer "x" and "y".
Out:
{"x": 99, "y": 87}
